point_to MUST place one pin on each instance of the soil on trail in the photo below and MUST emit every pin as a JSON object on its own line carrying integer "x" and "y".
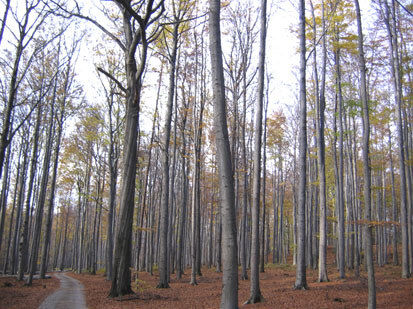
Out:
{"x": 276, "y": 286}
{"x": 69, "y": 295}
{"x": 15, "y": 295}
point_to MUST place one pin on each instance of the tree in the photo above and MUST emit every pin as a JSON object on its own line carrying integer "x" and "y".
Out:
{"x": 320, "y": 109}
{"x": 29, "y": 27}
{"x": 134, "y": 37}
{"x": 301, "y": 279}
{"x": 43, "y": 188}
{"x": 256, "y": 296}
{"x": 229, "y": 298}
{"x": 163, "y": 260}
{"x": 391, "y": 25}
{"x": 368, "y": 247}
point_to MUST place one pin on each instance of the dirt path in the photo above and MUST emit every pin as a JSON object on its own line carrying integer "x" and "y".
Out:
{"x": 69, "y": 295}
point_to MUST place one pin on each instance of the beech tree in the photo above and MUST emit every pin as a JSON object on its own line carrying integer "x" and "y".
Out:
{"x": 368, "y": 247}
{"x": 301, "y": 279}
{"x": 229, "y": 298}
{"x": 178, "y": 12}
{"x": 256, "y": 296}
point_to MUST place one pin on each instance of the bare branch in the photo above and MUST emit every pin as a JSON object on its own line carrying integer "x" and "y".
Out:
{"x": 87, "y": 18}
{"x": 112, "y": 78}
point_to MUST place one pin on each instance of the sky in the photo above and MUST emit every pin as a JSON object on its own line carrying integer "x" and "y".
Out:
{"x": 282, "y": 57}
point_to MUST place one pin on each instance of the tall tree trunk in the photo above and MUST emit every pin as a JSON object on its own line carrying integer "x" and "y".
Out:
{"x": 163, "y": 258}
{"x": 366, "y": 165}
{"x": 394, "y": 208}
{"x": 244, "y": 275}
{"x": 322, "y": 256}
{"x": 229, "y": 298}
{"x": 42, "y": 192}
{"x": 301, "y": 279}
{"x": 23, "y": 246}
{"x": 4, "y": 192}
{"x": 63, "y": 255}
{"x": 113, "y": 175}
{"x": 264, "y": 166}
{"x": 182, "y": 219}
{"x": 48, "y": 228}
{"x": 255, "y": 293}
{"x": 340, "y": 203}
{"x": 397, "y": 82}
{"x": 121, "y": 281}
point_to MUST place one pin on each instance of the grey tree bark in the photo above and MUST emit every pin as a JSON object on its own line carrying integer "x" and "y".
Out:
{"x": 322, "y": 256}
{"x": 390, "y": 18}
{"x": 60, "y": 122}
{"x": 301, "y": 278}
{"x": 368, "y": 248}
{"x": 255, "y": 293}
{"x": 42, "y": 192}
{"x": 23, "y": 245}
{"x": 121, "y": 281}
{"x": 229, "y": 298}
{"x": 163, "y": 258}
{"x": 340, "y": 179}
{"x": 394, "y": 208}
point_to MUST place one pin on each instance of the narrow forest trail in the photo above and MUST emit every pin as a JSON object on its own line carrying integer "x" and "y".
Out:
{"x": 69, "y": 295}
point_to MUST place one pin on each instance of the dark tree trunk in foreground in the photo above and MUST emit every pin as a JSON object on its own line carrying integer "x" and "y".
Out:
{"x": 229, "y": 298}
{"x": 23, "y": 245}
{"x": 121, "y": 280}
{"x": 42, "y": 193}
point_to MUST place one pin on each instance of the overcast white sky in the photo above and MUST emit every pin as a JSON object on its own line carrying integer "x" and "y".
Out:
{"x": 282, "y": 58}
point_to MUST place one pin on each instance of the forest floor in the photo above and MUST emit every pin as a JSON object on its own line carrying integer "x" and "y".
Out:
{"x": 276, "y": 286}
{"x": 15, "y": 295}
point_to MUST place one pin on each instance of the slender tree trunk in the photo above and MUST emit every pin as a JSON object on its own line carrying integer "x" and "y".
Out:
{"x": 23, "y": 246}
{"x": 322, "y": 256}
{"x": 340, "y": 202}
{"x": 48, "y": 229}
{"x": 264, "y": 166}
{"x": 255, "y": 293}
{"x": 63, "y": 255}
{"x": 301, "y": 279}
{"x": 366, "y": 166}
{"x": 42, "y": 193}
{"x": 394, "y": 55}
{"x": 394, "y": 208}
{"x": 182, "y": 219}
{"x": 163, "y": 261}
{"x": 244, "y": 275}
